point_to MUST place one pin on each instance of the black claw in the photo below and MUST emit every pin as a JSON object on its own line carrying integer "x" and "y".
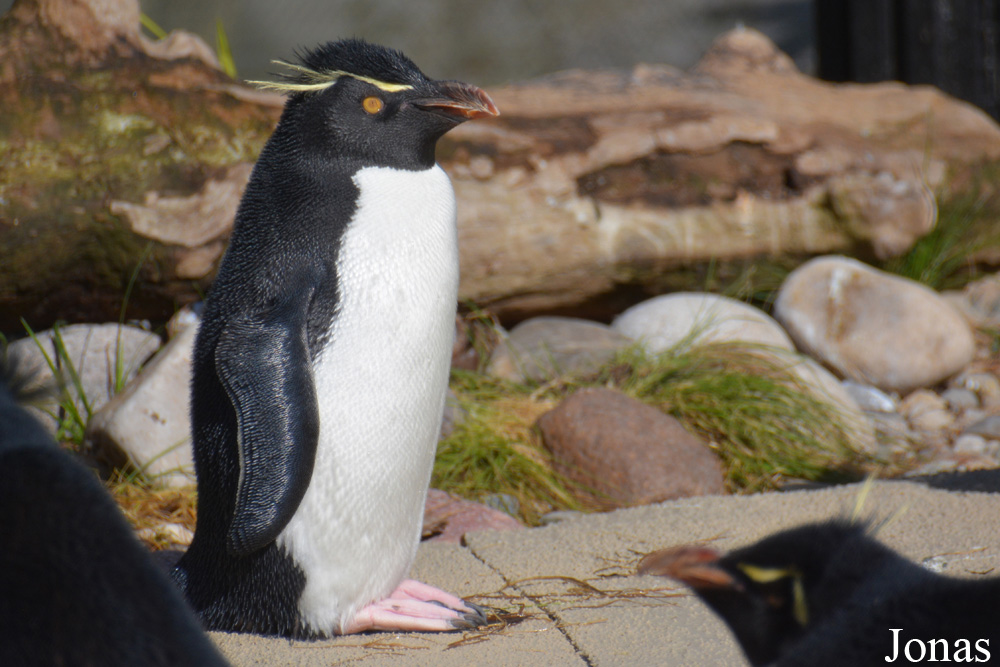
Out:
{"x": 469, "y": 619}
{"x": 463, "y": 623}
{"x": 480, "y": 612}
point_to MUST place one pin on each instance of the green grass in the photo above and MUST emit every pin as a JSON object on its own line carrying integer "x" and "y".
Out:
{"x": 494, "y": 449}
{"x": 945, "y": 258}
{"x": 71, "y": 423}
{"x": 222, "y": 50}
{"x": 763, "y": 420}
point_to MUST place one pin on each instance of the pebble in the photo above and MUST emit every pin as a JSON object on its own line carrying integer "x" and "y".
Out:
{"x": 502, "y": 502}
{"x": 988, "y": 427}
{"x": 960, "y": 400}
{"x": 869, "y": 398}
{"x": 985, "y": 385}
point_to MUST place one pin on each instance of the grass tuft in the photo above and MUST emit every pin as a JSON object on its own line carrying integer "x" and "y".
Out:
{"x": 149, "y": 509}
{"x": 945, "y": 258}
{"x": 762, "y": 419}
{"x": 495, "y": 448}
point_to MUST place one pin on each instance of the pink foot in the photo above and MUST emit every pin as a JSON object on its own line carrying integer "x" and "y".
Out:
{"x": 417, "y": 607}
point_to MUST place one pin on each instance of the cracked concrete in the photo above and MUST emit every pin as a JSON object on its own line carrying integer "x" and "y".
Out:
{"x": 571, "y": 583}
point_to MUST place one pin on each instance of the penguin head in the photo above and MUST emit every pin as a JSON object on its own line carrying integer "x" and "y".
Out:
{"x": 370, "y": 104}
{"x": 773, "y": 592}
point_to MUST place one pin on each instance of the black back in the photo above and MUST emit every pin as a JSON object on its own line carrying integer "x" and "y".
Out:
{"x": 856, "y": 590}
{"x": 76, "y": 586}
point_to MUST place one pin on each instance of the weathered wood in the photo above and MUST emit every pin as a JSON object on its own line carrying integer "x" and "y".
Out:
{"x": 591, "y": 190}
{"x": 95, "y": 114}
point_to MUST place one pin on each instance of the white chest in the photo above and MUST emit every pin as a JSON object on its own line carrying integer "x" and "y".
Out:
{"x": 380, "y": 385}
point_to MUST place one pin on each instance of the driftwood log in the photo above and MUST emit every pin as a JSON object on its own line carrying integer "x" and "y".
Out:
{"x": 593, "y": 187}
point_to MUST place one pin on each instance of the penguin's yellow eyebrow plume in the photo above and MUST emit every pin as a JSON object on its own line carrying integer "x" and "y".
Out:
{"x": 316, "y": 81}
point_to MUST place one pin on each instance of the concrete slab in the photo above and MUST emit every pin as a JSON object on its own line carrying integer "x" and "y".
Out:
{"x": 531, "y": 641}
{"x": 573, "y": 583}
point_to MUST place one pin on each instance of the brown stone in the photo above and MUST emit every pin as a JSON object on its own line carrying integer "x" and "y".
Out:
{"x": 629, "y": 453}
{"x": 447, "y": 517}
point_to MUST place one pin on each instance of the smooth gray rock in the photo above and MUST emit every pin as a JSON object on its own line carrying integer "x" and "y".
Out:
{"x": 873, "y": 327}
{"x": 99, "y": 353}
{"x": 543, "y": 348}
{"x": 960, "y": 399}
{"x": 986, "y": 386}
{"x": 989, "y": 428}
{"x": 148, "y": 424}
{"x": 664, "y": 321}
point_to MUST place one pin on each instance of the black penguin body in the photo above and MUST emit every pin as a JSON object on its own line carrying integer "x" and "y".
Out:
{"x": 829, "y": 594}
{"x": 263, "y": 393}
{"x": 76, "y": 586}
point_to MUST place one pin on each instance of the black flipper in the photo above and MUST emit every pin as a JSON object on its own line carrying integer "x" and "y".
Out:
{"x": 264, "y": 364}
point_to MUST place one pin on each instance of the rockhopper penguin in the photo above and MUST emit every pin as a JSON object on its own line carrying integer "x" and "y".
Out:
{"x": 322, "y": 361}
{"x": 829, "y": 595}
{"x": 76, "y": 586}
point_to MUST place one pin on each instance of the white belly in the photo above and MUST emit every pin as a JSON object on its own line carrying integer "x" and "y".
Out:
{"x": 380, "y": 385}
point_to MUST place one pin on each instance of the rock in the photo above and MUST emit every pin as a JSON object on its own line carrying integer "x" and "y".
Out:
{"x": 873, "y": 327}
{"x": 628, "y": 451}
{"x": 988, "y": 428}
{"x": 148, "y": 424}
{"x": 543, "y": 348}
{"x": 959, "y": 400}
{"x": 503, "y": 502}
{"x": 868, "y": 398}
{"x": 979, "y": 301}
{"x": 447, "y": 517}
{"x": 664, "y": 321}
{"x": 985, "y": 385}
{"x": 970, "y": 443}
{"x": 98, "y": 353}
{"x": 926, "y": 411}
{"x": 186, "y": 317}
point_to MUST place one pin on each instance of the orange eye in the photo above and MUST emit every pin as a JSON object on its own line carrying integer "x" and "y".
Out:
{"x": 372, "y": 104}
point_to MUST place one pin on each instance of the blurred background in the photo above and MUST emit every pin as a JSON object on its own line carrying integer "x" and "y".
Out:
{"x": 490, "y": 43}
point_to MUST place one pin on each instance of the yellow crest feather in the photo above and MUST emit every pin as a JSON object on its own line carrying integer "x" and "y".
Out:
{"x": 321, "y": 80}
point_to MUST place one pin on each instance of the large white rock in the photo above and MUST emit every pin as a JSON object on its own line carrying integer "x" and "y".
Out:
{"x": 873, "y": 327}
{"x": 663, "y": 321}
{"x": 148, "y": 423}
